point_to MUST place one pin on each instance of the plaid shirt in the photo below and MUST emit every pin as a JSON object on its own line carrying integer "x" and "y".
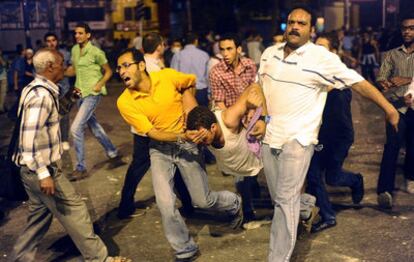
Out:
{"x": 226, "y": 85}
{"x": 39, "y": 141}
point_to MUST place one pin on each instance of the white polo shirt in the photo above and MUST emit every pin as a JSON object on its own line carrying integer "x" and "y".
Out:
{"x": 295, "y": 90}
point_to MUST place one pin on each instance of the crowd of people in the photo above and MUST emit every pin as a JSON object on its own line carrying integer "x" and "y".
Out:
{"x": 283, "y": 111}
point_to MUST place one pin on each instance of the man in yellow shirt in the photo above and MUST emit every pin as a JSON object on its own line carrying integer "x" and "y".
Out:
{"x": 153, "y": 105}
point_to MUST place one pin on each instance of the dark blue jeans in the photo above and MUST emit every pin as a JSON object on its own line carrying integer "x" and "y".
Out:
{"x": 329, "y": 161}
{"x": 336, "y": 135}
{"x": 136, "y": 171}
{"x": 395, "y": 140}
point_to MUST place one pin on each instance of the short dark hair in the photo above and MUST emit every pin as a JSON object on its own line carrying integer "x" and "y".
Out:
{"x": 151, "y": 41}
{"x": 408, "y": 15}
{"x": 308, "y": 10}
{"x": 332, "y": 38}
{"x": 49, "y": 34}
{"x": 199, "y": 117}
{"x": 190, "y": 38}
{"x": 232, "y": 37}
{"x": 136, "y": 54}
{"x": 84, "y": 26}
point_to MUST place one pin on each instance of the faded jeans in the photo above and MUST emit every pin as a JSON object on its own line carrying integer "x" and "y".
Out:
{"x": 86, "y": 115}
{"x": 165, "y": 158}
{"x": 285, "y": 171}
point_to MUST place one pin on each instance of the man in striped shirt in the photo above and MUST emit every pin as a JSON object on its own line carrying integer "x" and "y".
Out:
{"x": 395, "y": 75}
{"x": 39, "y": 148}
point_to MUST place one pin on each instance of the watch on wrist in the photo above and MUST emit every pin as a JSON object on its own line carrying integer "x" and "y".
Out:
{"x": 180, "y": 140}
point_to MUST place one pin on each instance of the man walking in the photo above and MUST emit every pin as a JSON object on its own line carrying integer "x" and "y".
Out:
{"x": 294, "y": 76}
{"x": 395, "y": 75}
{"x": 39, "y": 149}
{"x": 88, "y": 62}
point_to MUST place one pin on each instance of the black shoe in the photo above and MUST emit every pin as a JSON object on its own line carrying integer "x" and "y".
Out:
{"x": 358, "y": 190}
{"x": 322, "y": 225}
{"x": 189, "y": 259}
{"x": 116, "y": 162}
{"x": 78, "y": 175}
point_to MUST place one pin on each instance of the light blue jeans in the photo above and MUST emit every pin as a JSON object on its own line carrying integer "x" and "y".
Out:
{"x": 165, "y": 158}
{"x": 285, "y": 171}
{"x": 86, "y": 115}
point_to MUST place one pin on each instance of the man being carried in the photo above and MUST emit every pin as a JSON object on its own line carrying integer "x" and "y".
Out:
{"x": 153, "y": 105}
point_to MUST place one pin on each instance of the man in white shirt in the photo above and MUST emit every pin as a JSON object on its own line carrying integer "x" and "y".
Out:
{"x": 294, "y": 76}
{"x": 153, "y": 46}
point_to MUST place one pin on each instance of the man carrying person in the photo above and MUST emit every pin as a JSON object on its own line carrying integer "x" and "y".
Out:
{"x": 88, "y": 61}
{"x": 394, "y": 76}
{"x": 153, "y": 105}
{"x": 38, "y": 151}
{"x": 140, "y": 158}
{"x": 294, "y": 77}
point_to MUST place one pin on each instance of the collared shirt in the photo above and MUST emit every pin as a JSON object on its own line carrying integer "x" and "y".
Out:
{"x": 162, "y": 107}
{"x": 39, "y": 141}
{"x": 153, "y": 64}
{"x": 192, "y": 60}
{"x": 397, "y": 62}
{"x": 88, "y": 64}
{"x": 295, "y": 90}
{"x": 226, "y": 85}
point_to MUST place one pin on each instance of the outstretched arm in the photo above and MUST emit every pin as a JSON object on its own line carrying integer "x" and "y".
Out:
{"x": 367, "y": 90}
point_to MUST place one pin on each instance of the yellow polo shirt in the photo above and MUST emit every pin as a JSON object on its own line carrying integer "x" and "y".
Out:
{"x": 162, "y": 108}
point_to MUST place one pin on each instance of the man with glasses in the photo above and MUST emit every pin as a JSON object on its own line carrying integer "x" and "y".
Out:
{"x": 88, "y": 62}
{"x": 395, "y": 75}
{"x": 153, "y": 103}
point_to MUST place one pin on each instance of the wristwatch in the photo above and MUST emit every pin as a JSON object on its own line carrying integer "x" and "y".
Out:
{"x": 265, "y": 118}
{"x": 180, "y": 140}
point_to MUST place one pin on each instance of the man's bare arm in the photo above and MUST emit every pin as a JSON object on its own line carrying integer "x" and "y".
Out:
{"x": 251, "y": 98}
{"x": 367, "y": 90}
{"x": 107, "y": 75}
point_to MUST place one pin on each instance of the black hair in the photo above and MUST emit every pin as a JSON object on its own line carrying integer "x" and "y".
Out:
{"x": 308, "y": 10}
{"x": 151, "y": 41}
{"x": 84, "y": 26}
{"x": 332, "y": 38}
{"x": 407, "y": 16}
{"x": 199, "y": 117}
{"x": 191, "y": 38}
{"x": 49, "y": 34}
{"x": 136, "y": 54}
{"x": 232, "y": 37}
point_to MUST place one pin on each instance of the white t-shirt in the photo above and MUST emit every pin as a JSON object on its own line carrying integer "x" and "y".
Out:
{"x": 235, "y": 158}
{"x": 295, "y": 90}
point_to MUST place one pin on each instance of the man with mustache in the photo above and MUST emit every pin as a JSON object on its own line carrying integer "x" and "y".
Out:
{"x": 294, "y": 77}
{"x": 395, "y": 75}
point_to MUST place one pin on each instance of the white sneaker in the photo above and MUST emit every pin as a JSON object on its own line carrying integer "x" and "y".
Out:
{"x": 66, "y": 146}
{"x": 409, "y": 186}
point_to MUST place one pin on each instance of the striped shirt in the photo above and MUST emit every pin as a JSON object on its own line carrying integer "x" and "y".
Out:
{"x": 295, "y": 90}
{"x": 397, "y": 62}
{"x": 39, "y": 141}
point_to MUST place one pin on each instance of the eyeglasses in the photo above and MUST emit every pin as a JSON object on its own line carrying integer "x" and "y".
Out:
{"x": 408, "y": 28}
{"x": 125, "y": 65}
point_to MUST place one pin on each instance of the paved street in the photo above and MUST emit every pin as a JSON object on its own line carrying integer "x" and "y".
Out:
{"x": 363, "y": 234}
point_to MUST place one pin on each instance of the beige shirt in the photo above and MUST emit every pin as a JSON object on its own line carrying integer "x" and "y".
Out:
{"x": 235, "y": 158}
